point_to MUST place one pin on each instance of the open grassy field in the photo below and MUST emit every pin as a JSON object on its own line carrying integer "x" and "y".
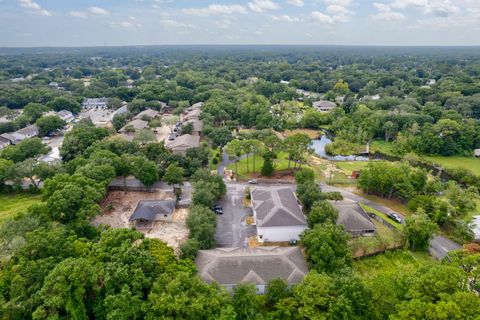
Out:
{"x": 470, "y": 163}
{"x": 13, "y": 204}
{"x": 383, "y": 147}
{"x": 392, "y": 261}
{"x": 281, "y": 163}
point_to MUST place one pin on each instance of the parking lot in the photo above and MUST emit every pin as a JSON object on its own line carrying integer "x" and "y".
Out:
{"x": 232, "y": 231}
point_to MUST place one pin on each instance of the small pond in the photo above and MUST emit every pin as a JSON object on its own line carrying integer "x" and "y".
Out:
{"x": 318, "y": 145}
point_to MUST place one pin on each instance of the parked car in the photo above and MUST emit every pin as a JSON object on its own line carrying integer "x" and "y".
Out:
{"x": 172, "y": 137}
{"x": 395, "y": 217}
{"x": 253, "y": 181}
{"x": 218, "y": 209}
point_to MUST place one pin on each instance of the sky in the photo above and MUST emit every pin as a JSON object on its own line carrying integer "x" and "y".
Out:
{"x": 31, "y": 23}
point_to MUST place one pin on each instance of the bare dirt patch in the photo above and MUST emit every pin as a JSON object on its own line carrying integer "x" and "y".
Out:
{"x": 118, "y": 206}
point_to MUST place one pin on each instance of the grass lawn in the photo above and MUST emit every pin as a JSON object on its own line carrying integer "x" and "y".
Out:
{"x": 391, "y": 262}
{"x": 281, "y": 163}
{"x": 349, "y": 166}
{"x": 393, "y": 203}
{"x": 13, "y": 204}
{"x": 399, "y": 226}
{"x": 470, "y": 163}
{"x": 383, "y": 147}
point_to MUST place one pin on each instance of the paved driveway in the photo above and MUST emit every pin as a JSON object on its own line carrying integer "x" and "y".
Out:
{"x": 232, "y": 230}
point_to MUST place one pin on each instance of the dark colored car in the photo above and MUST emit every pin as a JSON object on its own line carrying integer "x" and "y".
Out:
{"x": 218, "y": 209}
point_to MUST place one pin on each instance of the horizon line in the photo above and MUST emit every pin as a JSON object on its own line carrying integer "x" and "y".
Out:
{"x": 244, "y": 45}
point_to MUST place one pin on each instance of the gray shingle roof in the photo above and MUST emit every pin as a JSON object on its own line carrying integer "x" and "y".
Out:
{"x": 153, "y": 210}
{"x": 324, "y": 104}
{"x": 186, "y": 141}
{"x": 149, "y": 113}
{"x": 28, "y": 131}
{"x": 229, "y": 266}
{"x": 137, "y": 124}
{"x": 276, "y": 207}
{"x": 353, "y": 218}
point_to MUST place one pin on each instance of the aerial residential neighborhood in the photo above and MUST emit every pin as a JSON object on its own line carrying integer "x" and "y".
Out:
{"x": 246, "y": 160}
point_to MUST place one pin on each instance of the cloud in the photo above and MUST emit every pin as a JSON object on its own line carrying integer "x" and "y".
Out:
{"x": 297, "y": 3}
{"x": 437, "y": 8}
{"x": 98, "y": 11}
{"x": 170, "y": 23}
{"x": 286, "y": 18}
{"x": 336, "y": 11}
{"x": 386, "y": 13}
{"x": 78, "y": 14}
{"x": 262, "y": 5}
{"x": 216, "y": 9}
{"x": 34, "y": 7}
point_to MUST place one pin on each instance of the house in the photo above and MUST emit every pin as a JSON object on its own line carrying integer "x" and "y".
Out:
{"x": 95, "y": 103}
{"x": 194, "y": 114}
{"x": 230, "y": 266}
{"x": 149, "y": 113}
{"x": 197, "y": 105}
{"x": 4, "y": 142}
{"x": 197, "y": 127}
{"x": 184, "y": 142}
{"x": 324, "y": 105}
{"x": 355, "y": 220}
{"x": 66, "y": 115}
{"x": 122, "y": 109}
{"x": 12, "y": 137}
{"x": 476, "y": 152}
{"x": 151, "y": 211}
{"x": 136, "y": 124}
{"x": 27, "y": 132}
{"x": 277, "y": 214}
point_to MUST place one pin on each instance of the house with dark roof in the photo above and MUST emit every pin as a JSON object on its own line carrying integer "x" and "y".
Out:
{"x": 354, "y": 219}
{"x": 230, "y": 266}
{"x": 324, "y": 105}
{"x": 277, "y": 213}
{"x": 181, "y": 144}
{"x": 151, "y": 211}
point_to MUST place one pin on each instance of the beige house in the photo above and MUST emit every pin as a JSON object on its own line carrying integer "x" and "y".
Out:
{"x": 136, "y": 124}
{"x": 181, "y": 144}
{"x": 149, "y": 113}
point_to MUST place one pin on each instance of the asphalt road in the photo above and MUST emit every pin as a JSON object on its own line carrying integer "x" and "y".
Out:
{"x": 232, "y": 231}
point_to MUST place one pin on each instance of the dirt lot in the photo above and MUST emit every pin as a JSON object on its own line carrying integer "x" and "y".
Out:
{"x": 118, "y": 206}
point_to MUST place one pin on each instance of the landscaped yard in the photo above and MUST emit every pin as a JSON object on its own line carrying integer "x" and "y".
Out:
{"x": 13, "y": 204}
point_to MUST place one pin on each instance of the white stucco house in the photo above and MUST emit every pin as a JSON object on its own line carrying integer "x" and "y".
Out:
{"x": 278, "y": 215}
